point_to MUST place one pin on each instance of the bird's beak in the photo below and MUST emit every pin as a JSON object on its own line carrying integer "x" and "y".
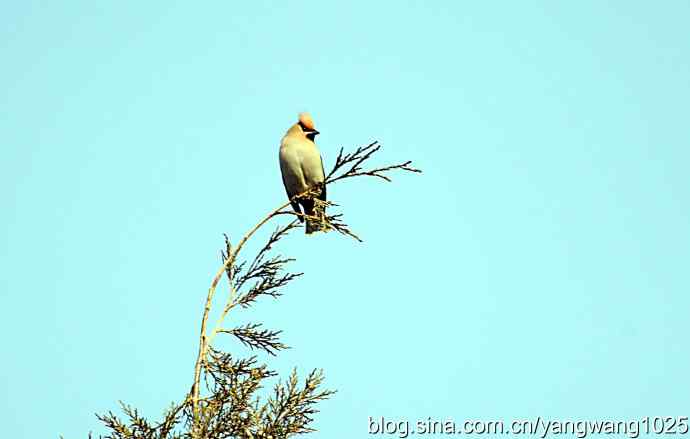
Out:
{"x": 314, "y": 132}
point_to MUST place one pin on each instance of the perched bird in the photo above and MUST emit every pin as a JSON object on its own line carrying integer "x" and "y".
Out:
{"x": 302, "y": 168}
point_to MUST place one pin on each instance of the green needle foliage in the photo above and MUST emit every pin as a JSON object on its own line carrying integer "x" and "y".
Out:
{"x": 229, "y": 405}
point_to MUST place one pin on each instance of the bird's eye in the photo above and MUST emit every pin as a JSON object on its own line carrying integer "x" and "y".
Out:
{"x": 302, "y": 126}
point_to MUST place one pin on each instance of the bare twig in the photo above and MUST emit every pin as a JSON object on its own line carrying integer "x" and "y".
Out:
{"x": 359, "y": 156}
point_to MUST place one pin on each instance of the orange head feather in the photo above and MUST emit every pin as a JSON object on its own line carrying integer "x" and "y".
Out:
{"x": 306, "y": 121}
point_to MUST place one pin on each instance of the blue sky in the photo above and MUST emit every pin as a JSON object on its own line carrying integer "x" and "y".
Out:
{"x": 537, "y": 267}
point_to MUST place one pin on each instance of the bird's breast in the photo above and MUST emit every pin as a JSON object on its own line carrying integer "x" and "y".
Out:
{"x": 301, "y": 158}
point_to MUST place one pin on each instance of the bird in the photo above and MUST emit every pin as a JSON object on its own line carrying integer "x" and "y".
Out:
{"x": 302, "y": 169}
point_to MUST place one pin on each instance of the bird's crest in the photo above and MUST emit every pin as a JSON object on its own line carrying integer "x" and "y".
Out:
{"x": 306, "y": 121}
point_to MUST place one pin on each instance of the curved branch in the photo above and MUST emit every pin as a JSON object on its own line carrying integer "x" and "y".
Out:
{"x": 203, "y": 343}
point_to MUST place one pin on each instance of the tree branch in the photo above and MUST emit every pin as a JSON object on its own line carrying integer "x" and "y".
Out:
{"x": 267, "y": 270}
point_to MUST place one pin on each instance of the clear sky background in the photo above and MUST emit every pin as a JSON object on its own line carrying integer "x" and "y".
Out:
{"x": 539, "y": 266}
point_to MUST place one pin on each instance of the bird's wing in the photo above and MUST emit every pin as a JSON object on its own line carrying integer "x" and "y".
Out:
{"x": 322, "y": 197}
{"x": 311, "y": 163}
{"x": 292, "y": 175}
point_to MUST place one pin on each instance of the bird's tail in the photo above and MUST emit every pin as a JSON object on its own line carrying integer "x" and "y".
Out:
{"x": 312, "y": 226}
{"x": 316, "y": 221}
